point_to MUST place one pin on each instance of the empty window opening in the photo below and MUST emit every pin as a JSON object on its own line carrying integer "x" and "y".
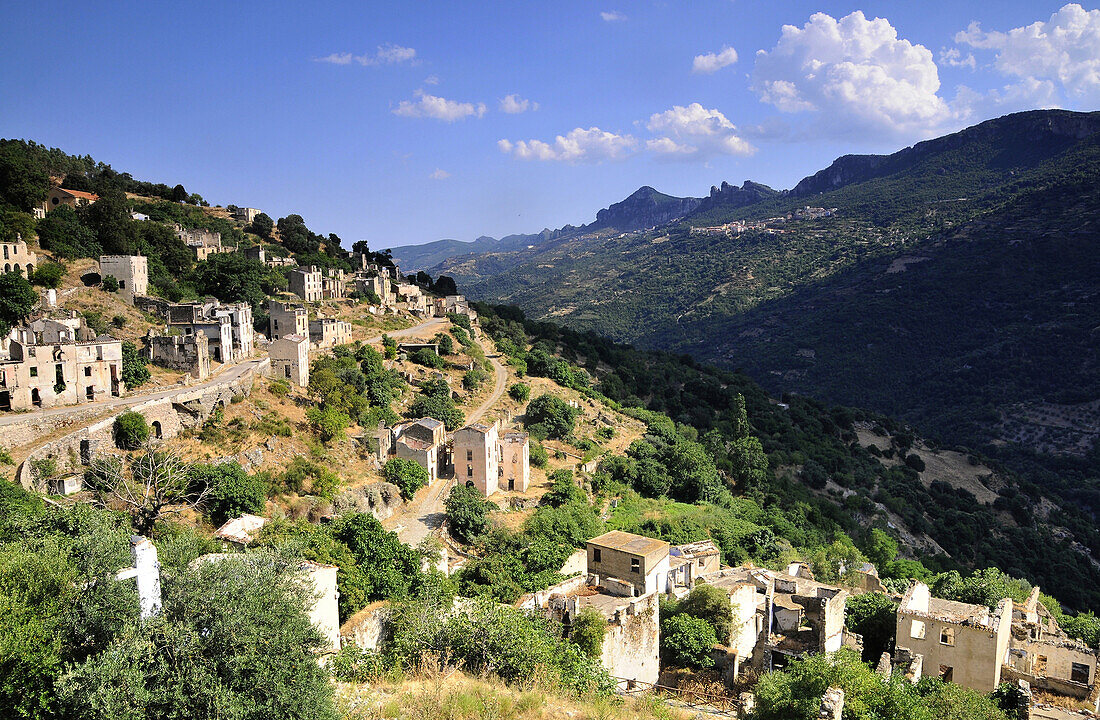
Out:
{"x": 1079, "y": 673}
{"x": 595, "y": 555}
{"x": 917, "y": 630}
{"x": 635, "y": 565}
{"x": 947, "y": 636}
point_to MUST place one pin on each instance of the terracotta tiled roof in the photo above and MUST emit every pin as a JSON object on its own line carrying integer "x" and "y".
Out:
{"x": 80, "y": 194}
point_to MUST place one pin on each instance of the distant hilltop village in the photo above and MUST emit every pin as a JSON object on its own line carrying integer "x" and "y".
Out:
{"x": 770, "y": 225}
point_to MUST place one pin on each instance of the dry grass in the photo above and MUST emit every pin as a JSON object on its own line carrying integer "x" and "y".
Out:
{"x": 439, "y": 695}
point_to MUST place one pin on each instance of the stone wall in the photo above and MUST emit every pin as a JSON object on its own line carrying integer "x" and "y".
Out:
{"x": 631, "y": 645}
{"x": 167, "y": 416}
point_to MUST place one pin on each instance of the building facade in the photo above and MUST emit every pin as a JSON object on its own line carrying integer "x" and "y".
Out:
{"x": 640, "y": 563}
{"x": 515, "y": 461}
{"x": 61, "y": 371}
{"x": 131, "y": 271}
{"x": 957, "y": 642}
{"x": 290, "y": 359}
{"x": 286, "y": 319}
{"x": 14, "y": 256}
{"x": 477, "y": 457}
{"x": 307, "y": 283}
{"x": 329, "y": 332}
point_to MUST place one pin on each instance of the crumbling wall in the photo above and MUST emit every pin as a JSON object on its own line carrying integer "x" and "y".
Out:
{"x": 631, "y": 644}
{"x": 368, "y": 628}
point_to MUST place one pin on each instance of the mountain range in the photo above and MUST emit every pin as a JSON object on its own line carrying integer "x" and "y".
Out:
{"x": 956, "y": 285}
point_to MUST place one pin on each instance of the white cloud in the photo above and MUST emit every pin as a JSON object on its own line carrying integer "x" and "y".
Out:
{"x": 1064, "y": 50}
{"x": 388, "y": 54}
{"x": 439, "y": 174}
{"x": 713, "y": 62}
{"x": 577, "y": 146}
{"x": 612, "y": 16}
{"x": 693, "y": 132}
{"x": 430, "y": 106}
{"x": 514, "y": 104}
{"x": 954, "y": 58}
{"x": 431, "y": 80}
{"x": 856, "y": 73}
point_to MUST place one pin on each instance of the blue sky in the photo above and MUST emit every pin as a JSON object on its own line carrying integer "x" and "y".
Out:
{"x": 409, "y": 122}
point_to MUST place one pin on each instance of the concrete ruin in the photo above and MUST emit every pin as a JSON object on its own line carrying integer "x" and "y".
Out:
{"x": 228, "y": 328}
{"x": 186, "y": 353}
{"x": 780, "y": 616}
{"x": 17, "y": 258}
{"x": 423, "y": 441}
{"x": 306, "y": 283}
{"x": 286, "y": 319}
{"x": 290, "y": 359}
{"x": 639, "y": 564}
{"x": 131, "y": 271}
{"x": 49, "y": 363}
{"x": 957, "y": 642}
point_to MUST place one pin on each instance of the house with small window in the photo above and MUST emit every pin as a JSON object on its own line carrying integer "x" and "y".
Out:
{"x": 640, "y": 564}
{"x": 290, "y": 359}
{"x": 957, "y": 642}
{"x": 1044, "y": 656}
{"x": 58, "y": 196}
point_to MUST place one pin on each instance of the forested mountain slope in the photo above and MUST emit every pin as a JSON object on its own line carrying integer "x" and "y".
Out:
{"x": 957, "y": 285}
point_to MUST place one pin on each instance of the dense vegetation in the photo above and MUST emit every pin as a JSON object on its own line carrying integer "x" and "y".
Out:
{"x": 232, "y": 639}
{"x": 784, "y": 481}
{"x": 955, "y": 288}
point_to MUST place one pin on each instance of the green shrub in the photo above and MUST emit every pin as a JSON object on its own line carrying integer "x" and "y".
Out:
{"x": 110, "y": 284}
{"x": 134, "y": 366}
{"x": 588, "y": 630}
{"x": 606, "y": 432}
{"x": 131, "y": 430}
{"x": 686, "y": 641}
{"x": 554, "y": 414}
{"x": 473, "y": 379}
{"x": 329, "y": 424}
{"x": 519, "y": 392}
{"x": 408, "y": 475}
{"x": 48, "y": 274}
{"x": 279, "y": 388}
{"x": 539, "y": 456}
{"x": 467, "y": 513}
{"x": 118, "y": 321}
{"x": 232, "y": 491}
{"x": 427, "y": 357}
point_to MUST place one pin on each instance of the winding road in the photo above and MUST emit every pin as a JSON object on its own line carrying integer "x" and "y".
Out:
{"x": 426, "y": 513}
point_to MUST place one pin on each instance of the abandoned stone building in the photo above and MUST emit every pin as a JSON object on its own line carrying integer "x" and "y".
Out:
{"x": 228, "y": 328}
{"x": 477, "y": 457}
{"x": 329, "y": 332}
{"x": 202, "y": 242}
{"x": 286, "y": 319}
{"x": 423, "y": 441}
{"x": 131, "y": 271}
{"x": 333, "y": 282}
{"x": 780, "y": 616}
{"x": 636, "y": 561}
{"x": 688, "y": 563}
{"x": 307, "y": 283}
{"x": 58, "y": 364}
{"x": 630, "y": 650}
{"x": 957, "y": 642}
{"x": 515, "y": 461}
{"x": 1040, "y": 653}
{"x": 186, "y": 353}
{"x": 378, "y": 284}
{"x": 15, "y": 256}
{"x": 290, "y": 359}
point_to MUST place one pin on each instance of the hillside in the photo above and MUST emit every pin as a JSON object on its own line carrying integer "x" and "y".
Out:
{"x": 953, "y": 279}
